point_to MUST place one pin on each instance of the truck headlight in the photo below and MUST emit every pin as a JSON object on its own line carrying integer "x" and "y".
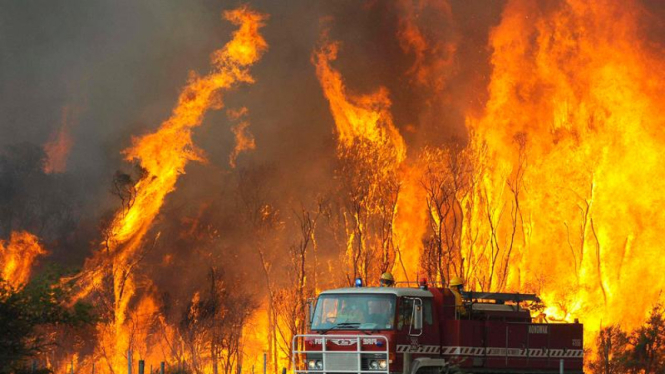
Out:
{"x": 315, "y": 364}
{"x": 378, "y": 364}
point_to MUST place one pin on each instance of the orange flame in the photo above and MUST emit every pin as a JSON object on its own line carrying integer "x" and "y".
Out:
{"x": 564, "y": 178}
{"x": 368, "y": 138}
{"x": 410, "y": 224}
{"x": 582, "y": 92}
{"x": 163, "y": 156}
{"x": 18, "y": 256}
{"x": 564, "y": 160}
{"x": 365, "y": 117}
{"x": 244, "y": 139}
{"x": 255, "y": 343}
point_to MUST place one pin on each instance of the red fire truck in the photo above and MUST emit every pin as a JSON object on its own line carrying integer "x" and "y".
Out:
{"x": 386, "y": 330}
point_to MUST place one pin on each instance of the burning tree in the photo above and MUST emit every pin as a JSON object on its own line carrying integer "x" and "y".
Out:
{"x": 503, "y": 234}
{"x": 648, "y": 354}
{"x": 369, "y": 191}
{"x": 612, "y": 347}
{"x": 641, "y": 351}
{"x": 449, "y": 180}
{"x": 471, "y": 233}
{"x": 561, "y": 173}
{"x": 131, "y": 308}
{"x": 550, "y": 85}
{"x": 212, "y": 325}
{"x": 370, "y": 151}
{"x": 292, "y": 299}
{"x": 263, "y": 220}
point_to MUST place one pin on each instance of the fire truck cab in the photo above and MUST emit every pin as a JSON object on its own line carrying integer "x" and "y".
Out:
{"x": 420, "y": 331}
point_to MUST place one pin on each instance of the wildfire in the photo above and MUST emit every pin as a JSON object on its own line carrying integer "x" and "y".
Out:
{"x": 577, "y": 97}
{"x": 254, "y": 342}
{"x": 557, "y": 189}
{"x": 163, "y": 156}
{"x": 18, "y": 256}
{"x": 358, "y": 118}
{"x": 371, "y": 151}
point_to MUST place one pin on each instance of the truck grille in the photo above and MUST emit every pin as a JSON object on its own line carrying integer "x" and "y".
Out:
{"x": 341, "y": 361}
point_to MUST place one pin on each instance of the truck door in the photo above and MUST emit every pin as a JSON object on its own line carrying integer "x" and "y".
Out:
{"x": 421, "y": 342}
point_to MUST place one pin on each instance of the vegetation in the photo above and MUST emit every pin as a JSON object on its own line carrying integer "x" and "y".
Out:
{"x": 641, "y": 351}
{"x": 28, "y": 315}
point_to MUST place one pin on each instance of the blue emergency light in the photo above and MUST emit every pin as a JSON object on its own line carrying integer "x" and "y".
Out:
{"x": 359, "y": 282}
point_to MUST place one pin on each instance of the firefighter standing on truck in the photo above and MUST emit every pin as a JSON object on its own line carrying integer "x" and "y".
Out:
{"x": 456, "y": 286}
{"x": 386, "y": 280}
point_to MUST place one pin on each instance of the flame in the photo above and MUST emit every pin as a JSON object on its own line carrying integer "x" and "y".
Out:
{"x": 564, "y": 173}
{"x": 163, "y": 156}
{"x": 371, "y": 151}
{"x": 254, "y": 339}
{"x": 576, "y": 96}
{"x": 18, "y": 256}
{"x": 557, "y": 191}
{"x": 244, "y": 139}
{"x": 410, "y": 225}
{"x": 364, "y": 117}
{"x": 60, "y": 143}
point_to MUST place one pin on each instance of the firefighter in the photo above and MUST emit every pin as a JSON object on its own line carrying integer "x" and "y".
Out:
{"x": 456, "y": 286}
{"x": 351, "y": 313}
{"x": 387, "y": 280}
{"x": 380, "y": 313}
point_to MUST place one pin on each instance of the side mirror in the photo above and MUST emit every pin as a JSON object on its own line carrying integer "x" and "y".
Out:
{"x": 417, "y": 316}
{"x": 416, "y": 327}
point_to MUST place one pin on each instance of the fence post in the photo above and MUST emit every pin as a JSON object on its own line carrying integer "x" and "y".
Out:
{"x": 72, "y": 368}
{"x": 141, "y": 367}
{"x": 561, "y": 366}
{"x": 265, "y": 362}
{"x": 129, "y": 361}
{"x": 161, "y": 367}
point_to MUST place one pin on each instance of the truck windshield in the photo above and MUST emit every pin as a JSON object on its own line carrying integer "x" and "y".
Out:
{"x": 356, "y": 312}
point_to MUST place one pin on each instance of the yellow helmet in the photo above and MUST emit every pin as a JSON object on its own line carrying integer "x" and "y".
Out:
{"x": 457, "y": 281}
{"x": 386, "y": 280}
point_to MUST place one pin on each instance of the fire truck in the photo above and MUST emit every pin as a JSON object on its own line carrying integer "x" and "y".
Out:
{"x": 423, "y": 330}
